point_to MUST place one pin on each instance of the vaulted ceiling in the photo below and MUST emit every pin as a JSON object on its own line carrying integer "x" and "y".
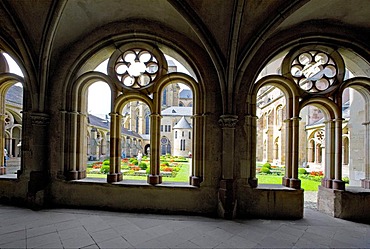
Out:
{"x": 228, "y": 30}
{"x": 221, "y": 26}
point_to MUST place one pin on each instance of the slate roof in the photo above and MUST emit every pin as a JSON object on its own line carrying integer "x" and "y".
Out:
{"x": 103, "y": 123}
{"x": 14, "y": 95}
{"x": 96, "y": 121}
{"x": 182, "y": 124}
{"x": 186, "y": 94}
{"x": 177, "y": 111}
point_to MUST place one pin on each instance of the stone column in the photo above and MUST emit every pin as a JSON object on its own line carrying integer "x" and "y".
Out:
{"x": 154, "y": 177}
{"x": 226, "y": 192}
{"x": 2, "y": 145}
{"x": 197, "y": 159}
{"x": 288, "y": 152}
{"x": 327, "y": 182}
{"x": 365, "y": 183}
{"x": 250, "y": 128}
{"x": 295, "y": 182}
{"x": 38, "y": 167}
{"x": 72, "y": 173}
{"x": 81, "y": 161}
{"x": 117, "y": 154}
{"x": 338, "y": 183}
{"x": 114, "y": 139}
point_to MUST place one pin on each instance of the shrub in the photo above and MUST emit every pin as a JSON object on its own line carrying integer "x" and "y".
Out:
{"x": 104, "y": 169}
{"x": 265, "y": 170}
{"x": 106, "y": 162}
{"x": 267, "y": 165}
{"x": 346, "y": 180}
{"x": 302, "y": 171}
{"x": 134, "y": 161}
{"x": 143, "y": 166}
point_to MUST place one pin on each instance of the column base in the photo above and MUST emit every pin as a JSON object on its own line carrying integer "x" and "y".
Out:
{"x": 112, "y": 178}
{"x": 365, "y": 183}
{"x": 327, "y": 183}
{"x": 2, "y": 170}
{"x": 119, "y": 177}
{"x": 72, "y": 175}
{"x": 253, "y": 182}
{"x": 82, "y": 174}
{"x": 339, "y": 185}
{"x": 286, "y": 181}
{"x": 295, "y": 183}
{"x": 195, "y": 181}
{"x": 226, "y": 199}
{"x": 154, "y": 179}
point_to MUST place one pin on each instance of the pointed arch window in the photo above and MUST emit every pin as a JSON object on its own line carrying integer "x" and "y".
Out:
{"x": 136, "y": 71}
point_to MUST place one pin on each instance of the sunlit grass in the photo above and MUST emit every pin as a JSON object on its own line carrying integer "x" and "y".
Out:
{"x": 306, "y": 184}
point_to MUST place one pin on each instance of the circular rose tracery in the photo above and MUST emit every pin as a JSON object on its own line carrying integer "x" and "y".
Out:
{"x": 314, "y": 71}
{"x": 136, "y": 68}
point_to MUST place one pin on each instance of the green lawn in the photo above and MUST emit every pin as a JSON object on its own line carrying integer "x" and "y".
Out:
{"x": 307, "y": 185}
{"x": 182, "y": 175}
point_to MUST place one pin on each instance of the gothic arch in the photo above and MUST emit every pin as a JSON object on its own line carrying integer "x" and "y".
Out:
{"x": 362, "y": 85}
{"x": 6, "y": 81}
{"x": 291, "y": 94}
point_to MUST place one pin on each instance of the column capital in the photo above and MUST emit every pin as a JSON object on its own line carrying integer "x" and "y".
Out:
{"x": 228, "y": 121}
{"x": 114, "y": 114}
{"x": 249, "y": 116}
{"x": 38, "y": 118}
{"x": 197, "y": 116}
{"x": 296, "y": 118}
{"x": 155, "y": 115}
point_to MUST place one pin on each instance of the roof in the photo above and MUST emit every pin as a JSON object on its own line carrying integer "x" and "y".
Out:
{"x": 186, "y": 94}
{"x": 104, "y": 123}
{"x": 177, "y": 111}
{"x": 96, "y": 121}
{"x": 14, "y": 95}
{"x": 182, "y": 124}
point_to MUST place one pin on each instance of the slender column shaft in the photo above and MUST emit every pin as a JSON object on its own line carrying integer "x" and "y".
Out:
{"x": 72, "y": 145}
{"x": 228, "y": 123}
{"x": 288, "y": 152}
{"x": 117, "y": 154}
{"x": 338, "y": 149}
{"x": 294, "y": 181}
{"x": 365, "y": 183}
{"x": 367, "y": 150}
{"x": 197, "y": 159}
{"x": 112, "y": 176}
{"x": 155, "y": 122}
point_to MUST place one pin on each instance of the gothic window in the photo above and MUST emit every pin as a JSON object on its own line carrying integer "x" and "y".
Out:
{"x": 137, "y": 76}
{"x": 11, "y": 108}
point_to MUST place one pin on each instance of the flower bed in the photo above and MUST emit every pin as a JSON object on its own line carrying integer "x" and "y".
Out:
{"x": 170, "y": 166}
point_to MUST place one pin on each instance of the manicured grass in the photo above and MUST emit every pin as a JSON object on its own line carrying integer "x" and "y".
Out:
{"x": 182, "y": 175}
{"x": 306, "y": 184}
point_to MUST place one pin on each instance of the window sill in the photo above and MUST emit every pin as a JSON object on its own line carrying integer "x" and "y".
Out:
{"x": 141, "y": 183}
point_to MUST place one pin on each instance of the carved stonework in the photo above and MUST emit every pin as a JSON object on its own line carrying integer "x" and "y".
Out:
{"x": 40, "y": 119}
{"x": 228, "y": 121}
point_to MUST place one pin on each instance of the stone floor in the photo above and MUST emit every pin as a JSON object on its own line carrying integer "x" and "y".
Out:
{"x": 74, "y": 228}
